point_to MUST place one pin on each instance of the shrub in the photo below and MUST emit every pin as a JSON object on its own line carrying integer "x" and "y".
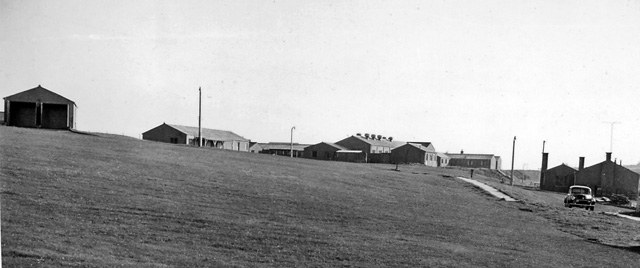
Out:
{"x": 619, "y": 199}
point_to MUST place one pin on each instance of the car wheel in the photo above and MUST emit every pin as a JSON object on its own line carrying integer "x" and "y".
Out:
{"x": 592, "y": 208}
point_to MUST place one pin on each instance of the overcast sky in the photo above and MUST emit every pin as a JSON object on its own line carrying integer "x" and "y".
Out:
{"x": 465, "y": 75}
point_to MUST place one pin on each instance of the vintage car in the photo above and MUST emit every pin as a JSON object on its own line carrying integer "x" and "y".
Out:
{"x": 580, "y": 196}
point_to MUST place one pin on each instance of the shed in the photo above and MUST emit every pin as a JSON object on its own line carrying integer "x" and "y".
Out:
{"x": 177, "y": 134}
{"x": 39, "y": 108}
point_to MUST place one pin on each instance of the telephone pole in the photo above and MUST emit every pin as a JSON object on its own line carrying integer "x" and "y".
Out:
{"x": 292, "y": 140}
{"x": 200, "y": 117}
{"x": 513, "y": 153}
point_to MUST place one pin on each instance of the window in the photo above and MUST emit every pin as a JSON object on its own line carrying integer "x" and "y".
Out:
{"x": 173, "y": 140}
{"x": 314, "y": 154}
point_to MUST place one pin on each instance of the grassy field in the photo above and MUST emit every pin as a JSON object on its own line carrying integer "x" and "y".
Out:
{"x": 72, "y": 200}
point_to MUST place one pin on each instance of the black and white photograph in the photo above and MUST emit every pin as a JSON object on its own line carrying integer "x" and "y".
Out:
{"x": 324, "y": 133}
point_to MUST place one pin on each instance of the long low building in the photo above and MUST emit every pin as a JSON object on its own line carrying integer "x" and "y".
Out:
{"x": 282, "y": 148}
{"x": 177, "y": 134}
{"x": 489, "y": 161}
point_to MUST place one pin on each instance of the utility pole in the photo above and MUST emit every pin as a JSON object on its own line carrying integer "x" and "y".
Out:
{"x": 292, "y": 140}
{"x": 200, "y": 117}
{"x": 611, "y": 142}
{"x": 513, "y": 153}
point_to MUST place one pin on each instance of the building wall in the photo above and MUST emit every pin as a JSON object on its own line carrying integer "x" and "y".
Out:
{"x": 431, "y": 159}
{"x": 164, "y": 133}
{"x": 351, "y": 157}
{"x": 443, "y": 161}
{"x": 408, "y": 154}
{"x": 473, "y": 163}
{"x": 379, "y": 158}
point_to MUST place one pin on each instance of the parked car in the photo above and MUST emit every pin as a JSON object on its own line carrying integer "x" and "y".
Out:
{"x": 580, "y": 196}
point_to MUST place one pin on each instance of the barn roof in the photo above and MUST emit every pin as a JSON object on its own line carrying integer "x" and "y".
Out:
{"x": 39, "y": 94}
{"x": 472, "y": 156}
{"x": 425, "y": 146}
{"x": 562, "y": 166}
{"x": 332, "y": 145}
{"x": 418, "y": 146}
{"x": 386, "y": 143}
{"x": 210, "y": 134}
{"x": 443, "y": 155}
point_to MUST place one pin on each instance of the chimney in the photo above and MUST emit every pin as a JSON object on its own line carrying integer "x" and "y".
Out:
{"x": 581, "y": 163}
{"x": 609, "y": 157}
{"x": 545, "y": 162}
{"x": 461, "y": 151}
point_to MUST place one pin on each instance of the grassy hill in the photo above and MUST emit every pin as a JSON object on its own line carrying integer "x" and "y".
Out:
{"x": 72, "y": 200}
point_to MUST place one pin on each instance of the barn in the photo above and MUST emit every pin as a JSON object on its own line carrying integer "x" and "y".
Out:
{"x": 177, "y": 134}
{"x": 415, "y": 153}
{"x": 558, "y": 179}
{"x": 330, "y": 151}
{"x": 607, "y": 178}
{"x": 39, "y": 108}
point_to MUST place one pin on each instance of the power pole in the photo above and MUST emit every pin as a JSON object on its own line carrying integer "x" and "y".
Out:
{"x": 292, "y": 140}
{"x": 513, "y": 153}
{"x": 200, "y": 117}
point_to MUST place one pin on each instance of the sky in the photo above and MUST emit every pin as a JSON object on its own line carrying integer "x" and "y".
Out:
{"x": 464, "y": 75}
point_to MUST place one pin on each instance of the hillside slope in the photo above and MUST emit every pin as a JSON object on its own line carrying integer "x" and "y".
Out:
{"x": 71, "y": 200}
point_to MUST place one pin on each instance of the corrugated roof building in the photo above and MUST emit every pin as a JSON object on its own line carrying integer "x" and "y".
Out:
{"x": 39, "y": 108}
{"x": 215, "y": 138}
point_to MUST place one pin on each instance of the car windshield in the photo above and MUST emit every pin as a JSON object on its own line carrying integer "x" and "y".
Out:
{"x": 579, "y": 191}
